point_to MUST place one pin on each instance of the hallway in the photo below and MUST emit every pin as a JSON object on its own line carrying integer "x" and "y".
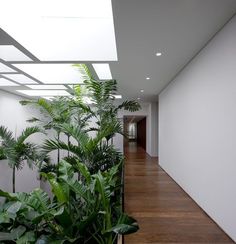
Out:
{"x": 165, "y": 213}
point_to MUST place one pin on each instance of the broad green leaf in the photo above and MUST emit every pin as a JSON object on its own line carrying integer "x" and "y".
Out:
{"x": 14, "y": 208}
{"x": 13, "y": 235}
{"x": 84, "y": 171}
{"x": 4, "y": 218}
{"x": 57, "y": 188}
{"x": 28, "y": 237}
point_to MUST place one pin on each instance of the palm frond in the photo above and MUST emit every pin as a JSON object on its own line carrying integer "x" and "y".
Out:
{"x": 27, "y": 133}
{"x": 131, "y": 106}
{"x": 84, "y": 71}
{"x": 6, "y": 136}
{"x": 76, "y": 132}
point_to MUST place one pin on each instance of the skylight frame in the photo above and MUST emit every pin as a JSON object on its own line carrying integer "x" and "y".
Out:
{"x": 103, "y": 71}
{"x": 10, "y": 53}
{"x": 5, "y": 83}
{"x": 52, "y": 73}
{"x": 20, "y": 78}
{"x": 47, "y": 87}
{"x": 6, "y": 69}
{"x": 44, "y": 93}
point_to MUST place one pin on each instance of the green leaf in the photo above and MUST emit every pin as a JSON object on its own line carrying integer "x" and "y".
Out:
{"x": 57, "y": 188}
{"x": 14, "y": 208}
{"x": 28, "y": 237}
{"x": 13, "y": 235}
{"x": 123, "y": 229}
{"x": 84, "y": 171}
{"x": 9, "y": 196}
{"x": 125, "y": 225}
{"x": 4, "y": 218}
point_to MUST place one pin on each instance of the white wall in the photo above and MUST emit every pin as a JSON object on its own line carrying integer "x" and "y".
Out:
{"x": 14, "y": 116}
{"x": 153, "y": 124}
{"x": 197, "y": 127}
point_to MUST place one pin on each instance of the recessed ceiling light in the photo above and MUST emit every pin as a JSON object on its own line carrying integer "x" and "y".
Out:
{"x": 11, "y": 53}
{"x": 53, "y": 73}
{"x": 45, "y": 93}
{"x": 22, "y": 79}
{"x": 138, "y": 98}
{"x": 103, "y": 71}
{"x": 147, "y": 78}
{"x": 40, "y": 25}
{"x": 141, "y": 90}
{"x": 158, "y": 54}
{"x": 47, "y": 87}
{"x": 5, "y": 82}
{"x": 5, "y": 69}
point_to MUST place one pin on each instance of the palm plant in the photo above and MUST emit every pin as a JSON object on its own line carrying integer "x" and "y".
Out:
{"x": 102, "y": 94}
{"x": 59, "y": 111}
{"x": 53, "y": 114}
{"x": 18, "y": 151}
{"x": 94, "y": 152}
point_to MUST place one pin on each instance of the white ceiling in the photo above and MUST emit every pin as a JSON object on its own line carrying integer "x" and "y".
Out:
{"x": 178, "y": 29}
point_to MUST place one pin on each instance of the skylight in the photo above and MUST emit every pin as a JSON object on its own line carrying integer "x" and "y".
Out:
{"x": 62, "y": 30}
{"x": 52, "y": 73}
{"x": 11, "y": 53}
{"x": 5, "y": 69}
{"x": 103, "y": 71}
{"x": 5, "y": 82}
{"x": 22, "y": 79}
{"x": 45, "y": 93}
{"x": 47, "y": 87}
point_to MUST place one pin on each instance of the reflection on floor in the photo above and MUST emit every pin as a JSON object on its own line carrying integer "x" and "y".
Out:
{"x": 166, "y": 214}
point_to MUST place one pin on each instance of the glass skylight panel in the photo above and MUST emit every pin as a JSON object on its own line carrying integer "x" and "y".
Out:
{"x": 45, "y": 93}
{"x": 62, "y": 30}
{"x": 47, "y": 87}
{"x": 5, "y": 69}
{"x": 5, "y": 82}
{"x": 11, "y": 53}
{"x": 52, "y": 73}
{"x": 20, "y": 78}
{"x": 103, "y": 71}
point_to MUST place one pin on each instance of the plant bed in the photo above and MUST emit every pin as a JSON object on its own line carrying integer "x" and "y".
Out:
{"x": 86, "y": 184}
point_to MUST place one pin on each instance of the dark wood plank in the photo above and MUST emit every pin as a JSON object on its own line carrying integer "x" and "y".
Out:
{"x": 166, "y": 214}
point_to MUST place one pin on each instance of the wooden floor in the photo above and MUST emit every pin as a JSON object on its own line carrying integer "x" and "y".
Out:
{"x": 165, "y": 213}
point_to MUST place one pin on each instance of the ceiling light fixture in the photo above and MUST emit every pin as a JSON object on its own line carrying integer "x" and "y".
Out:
{"x": 103, "y": 71}
{"x": 5, "y": 82}
{"x": 5, "y": 69}
{"x": 47, "y": 87}
{"x": 20, "y": 78}
{"x": 93, "y": 23}
{"x": 53, "y": 73}
{"x": 158, "y": 54}
{"x": 142, "y": 90}
{"x": 138, "y": 98}
{"x": 11, "y": 53}
{"x": 147, "y": 78}
{"x": 44, "y": 93}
